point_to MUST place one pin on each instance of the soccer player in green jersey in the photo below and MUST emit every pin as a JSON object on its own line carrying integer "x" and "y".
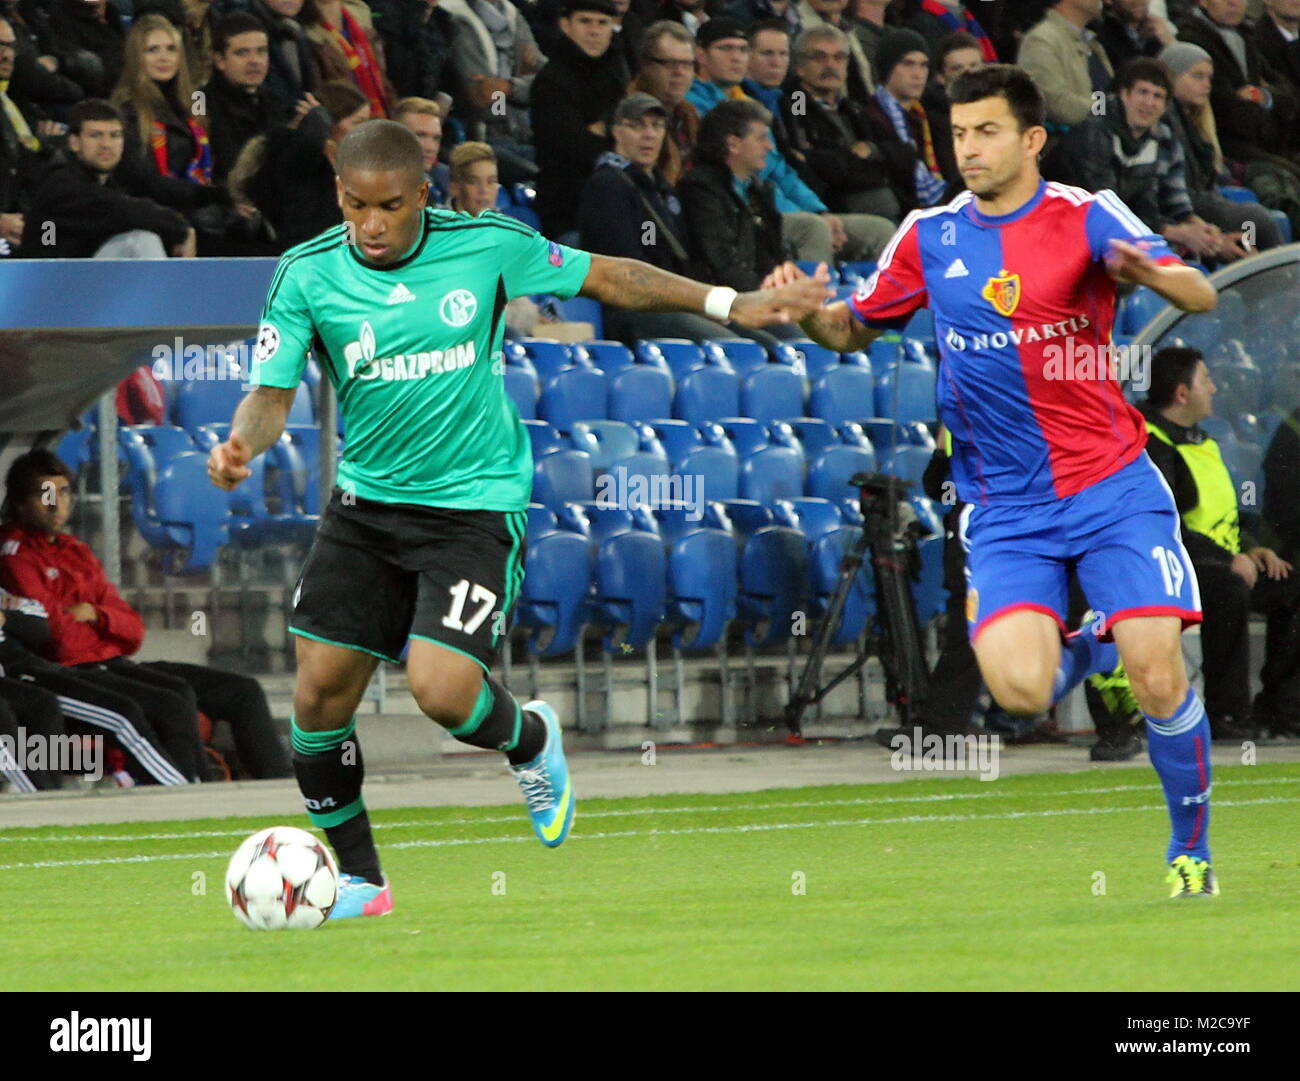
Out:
{"x": 423, "y": 538}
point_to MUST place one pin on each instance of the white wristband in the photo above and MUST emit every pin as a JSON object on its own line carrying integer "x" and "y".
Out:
{"x": 718, "y": 302}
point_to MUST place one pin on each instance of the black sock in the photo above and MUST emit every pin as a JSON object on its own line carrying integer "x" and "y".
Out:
{"x": 330, "y": 770}
{"x": 497, "y": 723}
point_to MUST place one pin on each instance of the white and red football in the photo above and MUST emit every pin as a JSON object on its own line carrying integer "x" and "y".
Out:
{"x": 282, "y": 878}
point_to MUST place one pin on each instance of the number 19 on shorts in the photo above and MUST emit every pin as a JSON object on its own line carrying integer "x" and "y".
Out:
{"x": 1171, "y": 569}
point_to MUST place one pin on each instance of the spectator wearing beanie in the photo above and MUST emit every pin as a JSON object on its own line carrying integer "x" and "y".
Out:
{"x": 574, "y": 96}
{"x": 922, "y": 167}
{"x": 1190, "y": 118}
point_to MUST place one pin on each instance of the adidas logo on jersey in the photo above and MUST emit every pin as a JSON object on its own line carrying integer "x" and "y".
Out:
{"x": 400, "y": 294}
{"x": 956, "y": 269}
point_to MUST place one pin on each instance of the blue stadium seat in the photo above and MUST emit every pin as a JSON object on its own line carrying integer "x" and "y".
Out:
{"x": 633, "y": 478}
{"x": 908, "y": 462}
{"x": 680, "y": 354}
{"x": 928, "y": 513}
{"x": 572, "y": 395}
{"x": 828, "y": 476}
{"x": 305, "y": 441}
{"x": 579, "y": 310}
{"x": 854, "y": 272}
{"x": 829, "y": 540}
{"x": 525, "y": 214}
{"x": 773, "y": 584}
{"x": 544, "y": 439}
{"x": 806, "y": 357}
{"x": 303, "y": 409}
{"x": 918, "y": 351}
{"x": 193, "y": 513}
{"x": 809, "y": 267}
{"x": 609, "y": 357}
{"x": 814, "y": 435}
{"x": 707, "y": 393}
{"x": 906, "y": 393}
{"x": 851, "y": 433}
{"x": 772, "y": 392}
{"x": 514, "y": 353}
{"x": 557, "y": 584}
{"x": 702, "y": 566}
{"x": 521, "y": 388}
{"x": 917, "y": 433}
{"x": 746, "y": 434}
{"x": 743, "y": 354}
{"x": 929, "y": 594}
{"x": 1139, "y": 308}
{"x": 921, "y": 325}
{"x": 883, "y": 433}
{"x": 771, "y": 473}
{"x": 641, "y": 392}
{"x": 676, "y": 436}
{"x": 843, "y": 393}
{"x": 885, "y": 352}
{"x": 206, "y": 401}
{"x": 631, "y": 568}
{"x": 607, "y": 441}
{"x": 562, "y": 476}
{"x": 717, "y": 467}
{"x": 548, "y": 357}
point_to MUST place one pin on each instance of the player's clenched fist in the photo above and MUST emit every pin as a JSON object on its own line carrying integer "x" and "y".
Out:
{"x": 228, "y": 462}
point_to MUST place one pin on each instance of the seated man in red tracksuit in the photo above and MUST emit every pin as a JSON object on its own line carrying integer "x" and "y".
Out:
{"x": 92, "y": 627}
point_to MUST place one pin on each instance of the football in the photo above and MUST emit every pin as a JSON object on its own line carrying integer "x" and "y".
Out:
{"x": 282, "y": 878}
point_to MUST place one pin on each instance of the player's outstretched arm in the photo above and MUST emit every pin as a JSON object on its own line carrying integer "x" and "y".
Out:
{"x": 1184, "y": 287}
{"x": 832, "y": 326}
{"x": 630, "y": 283}
{"x": 259, "y": 422}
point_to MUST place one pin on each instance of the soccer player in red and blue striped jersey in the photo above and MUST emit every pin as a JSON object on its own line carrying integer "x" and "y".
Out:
{"x": 1021, "y": 277}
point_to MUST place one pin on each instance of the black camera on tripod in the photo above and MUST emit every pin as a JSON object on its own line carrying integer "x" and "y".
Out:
{"x": 890, "y": 532}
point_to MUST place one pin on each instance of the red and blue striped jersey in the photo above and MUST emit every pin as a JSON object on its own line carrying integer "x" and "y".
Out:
{"x": 1023, "y": 309}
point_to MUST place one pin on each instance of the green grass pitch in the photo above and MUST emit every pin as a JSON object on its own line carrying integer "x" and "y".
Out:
{"x": 1031, "y": 882}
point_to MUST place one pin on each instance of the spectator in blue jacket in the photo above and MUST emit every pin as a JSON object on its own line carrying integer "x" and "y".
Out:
{"x": 722, "y": 56}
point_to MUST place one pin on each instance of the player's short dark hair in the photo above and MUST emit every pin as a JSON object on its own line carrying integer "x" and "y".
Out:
{"x": 954, "y": 42}
{"x": 92, "y": 109}
{"x": 231, "y": 26}
{"x": 728, "y": 118}
{"x": 381, "y": 146}
{"x": 1007, "y": 81}
{"x": 1144, "y": 69}
{"x": 24, "y": 478}
{"x": 1172, "y": 367}
{"x": 778, "y": 25}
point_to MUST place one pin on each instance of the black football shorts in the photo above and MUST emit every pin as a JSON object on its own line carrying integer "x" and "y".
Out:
{"x": 380, "y": 573}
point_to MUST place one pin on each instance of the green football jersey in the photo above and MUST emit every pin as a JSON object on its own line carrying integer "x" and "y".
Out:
{"x": 413, "y": 351}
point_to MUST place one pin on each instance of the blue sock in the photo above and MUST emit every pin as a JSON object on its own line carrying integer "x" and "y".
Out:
{"x": 1180, "y": 752}
{"x": 1082, "y": 655}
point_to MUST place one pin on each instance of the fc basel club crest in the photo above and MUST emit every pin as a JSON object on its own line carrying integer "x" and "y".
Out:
{"x": 1003, "y": 292}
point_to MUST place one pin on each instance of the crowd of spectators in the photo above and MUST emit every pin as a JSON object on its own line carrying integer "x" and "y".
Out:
{"x": 207, "y": 127}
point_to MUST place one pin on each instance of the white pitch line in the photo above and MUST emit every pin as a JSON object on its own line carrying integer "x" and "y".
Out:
{"x": 381, "y": 827}
{"x": 757, "y": 827}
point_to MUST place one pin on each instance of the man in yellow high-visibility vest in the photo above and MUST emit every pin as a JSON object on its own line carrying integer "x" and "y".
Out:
{"x": 1235, "y": 575}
